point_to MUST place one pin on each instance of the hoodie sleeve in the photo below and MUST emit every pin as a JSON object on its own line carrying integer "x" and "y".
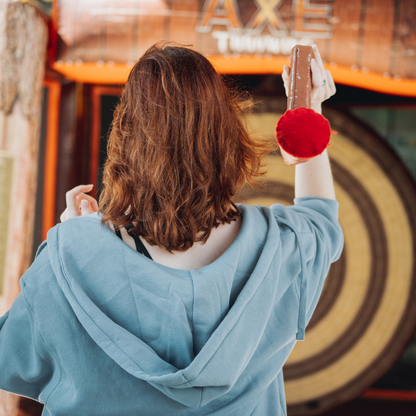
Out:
{"x": 24, "y": 363}
{"x": 321, "y": 240}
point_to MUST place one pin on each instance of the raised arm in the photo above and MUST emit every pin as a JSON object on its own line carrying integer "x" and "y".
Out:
{"x": 314, "y": 178}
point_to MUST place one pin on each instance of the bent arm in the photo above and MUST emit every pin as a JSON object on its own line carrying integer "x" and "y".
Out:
{"x": 314, "y": 178}
{"x": 24, "y": 367}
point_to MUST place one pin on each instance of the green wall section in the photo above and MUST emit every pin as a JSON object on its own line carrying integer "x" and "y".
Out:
{"x": 397, "y": 126}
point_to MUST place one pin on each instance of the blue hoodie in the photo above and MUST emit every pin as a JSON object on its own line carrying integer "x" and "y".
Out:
{"x": 99, "y": 329}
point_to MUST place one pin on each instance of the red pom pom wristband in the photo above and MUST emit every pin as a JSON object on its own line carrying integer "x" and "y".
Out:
{"x": 301, "y": 132}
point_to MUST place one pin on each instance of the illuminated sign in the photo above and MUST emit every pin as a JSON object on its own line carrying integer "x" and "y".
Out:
{"x": 269, "y": 30}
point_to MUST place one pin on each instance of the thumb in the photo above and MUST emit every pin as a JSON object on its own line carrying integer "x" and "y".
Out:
{"x": 86, "y": 207}
{"x": 316, "y": 75}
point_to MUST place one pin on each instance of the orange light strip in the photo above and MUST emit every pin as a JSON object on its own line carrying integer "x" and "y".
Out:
{"x": 51, "y": 156}
{"x": 390, "y": 394}
{"x": 373, "y": 81}
{"x": 249, "y": 64}
{"x": 118, "y": 73}
{"x": 91, "y": 73}
{"x": 341, "y": 74}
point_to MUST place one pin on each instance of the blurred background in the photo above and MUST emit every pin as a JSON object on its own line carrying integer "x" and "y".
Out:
{"x": 63, "y": 65}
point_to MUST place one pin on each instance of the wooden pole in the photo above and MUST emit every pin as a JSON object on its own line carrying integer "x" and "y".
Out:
{"x": 23, "y": 40}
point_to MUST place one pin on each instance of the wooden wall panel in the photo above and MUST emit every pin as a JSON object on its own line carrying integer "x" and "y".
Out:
{"x": 403, "y": 51}
{"x": 377, "y": 36}
{"x": 344, "y": 43}
{"x": 372, "y": 40}
{"x": 152, "y": 23}
{"x": 183, "y": 21}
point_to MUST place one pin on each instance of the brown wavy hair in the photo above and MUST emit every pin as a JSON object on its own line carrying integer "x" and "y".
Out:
{"x": 178, "y": 151}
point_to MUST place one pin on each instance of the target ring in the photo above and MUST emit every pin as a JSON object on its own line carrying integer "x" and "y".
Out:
{"x": 365, "y": 315}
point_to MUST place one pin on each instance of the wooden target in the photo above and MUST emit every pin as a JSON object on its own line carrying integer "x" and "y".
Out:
{"x": 367, "y": 312}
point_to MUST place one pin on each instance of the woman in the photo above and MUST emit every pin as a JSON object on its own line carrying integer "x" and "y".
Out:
{"x": 205, "y": 323}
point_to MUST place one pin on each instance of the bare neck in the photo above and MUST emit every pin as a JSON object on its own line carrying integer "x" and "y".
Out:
{"x": 199, "y": 255}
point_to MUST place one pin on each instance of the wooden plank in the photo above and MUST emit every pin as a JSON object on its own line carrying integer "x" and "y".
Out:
{"x": 121, "y": 31}
{"x": 6, "y": 169}
{"x": 183, "y": 20}
{"x": 153, "y": 18}
{"x": 403, "y": 54}
{"x": 343, "y": 47}
{"x": 377, "y": 36}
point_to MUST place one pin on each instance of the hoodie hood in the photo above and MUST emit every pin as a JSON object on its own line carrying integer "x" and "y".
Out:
{"x": 99, "y": 329}
{"x": 209, "y": 322}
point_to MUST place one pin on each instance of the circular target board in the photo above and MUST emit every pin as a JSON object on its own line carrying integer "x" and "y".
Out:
{"x": 367, "y": 311}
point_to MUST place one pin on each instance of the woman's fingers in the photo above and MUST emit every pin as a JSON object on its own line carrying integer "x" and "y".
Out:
{"x": 322, "y": 81}
{"x": 86, "y": 207}
{"x": 73, "y": 202}
{"x": 330, "y": 82}
{"x": 323, "y": 85}
{"x": 286, "y": 78}
{"x": 92, "y": 201}
{"x": 317, "y": 78}
{"x": 63, "y": 216}
{"x": 72, "y": 206}
{"x": 286, "y": 71}
{"x": 317, "y": 56}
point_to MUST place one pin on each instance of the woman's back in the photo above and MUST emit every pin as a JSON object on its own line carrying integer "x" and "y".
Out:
{"x": 206, "y": 326}
{"x": 112, "y": 332}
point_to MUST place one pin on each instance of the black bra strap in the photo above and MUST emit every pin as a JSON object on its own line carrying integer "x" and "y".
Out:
{"x": 118, "y": 233}
{"x": 139, "y": 244}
